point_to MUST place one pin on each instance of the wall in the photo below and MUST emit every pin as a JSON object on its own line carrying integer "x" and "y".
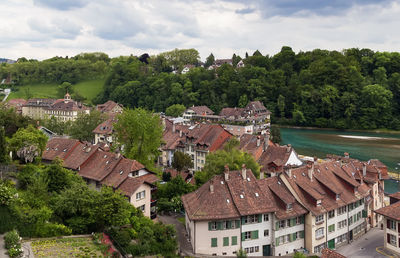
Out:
{"x": 145, "y": 201}
{"x": 392, "y": 232}
{"x": 260, "y": 226}
{"x": 288, "y": 248}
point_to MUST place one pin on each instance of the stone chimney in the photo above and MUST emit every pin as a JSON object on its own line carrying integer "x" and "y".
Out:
{"x": 288, "y": 148}
{"x": 211, "y": 186}
{"x": 261, "y": 174}
{"x": 346, "y": 155}
{"x": 180, "y": 133}
{"x": 173, "y": 127}
{"x": 364, "y": 173}
{"x": 258, "y": 141}
{"x": 315, "y": 160}
{"x": 266, "y": 140}
{"x": 310, "y": 166}
{"x": 226, "y": 172}
{"x": 288, "y": 170}
{"x": 244, "y": 171}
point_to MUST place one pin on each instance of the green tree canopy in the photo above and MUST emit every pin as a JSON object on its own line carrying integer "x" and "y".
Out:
{"x": 181, "y": 161}
{"x": 139, "y": 133}
{"x": 82, "y": 128}
{"x": 175, "y": 110}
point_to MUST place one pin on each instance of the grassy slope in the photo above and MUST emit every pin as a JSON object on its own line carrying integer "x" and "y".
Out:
{"x": 88, "y": 89}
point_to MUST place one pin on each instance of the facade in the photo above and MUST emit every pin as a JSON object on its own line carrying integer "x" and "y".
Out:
{"x": 110, "y": 108}
{"x": 236, "y": 211}
{"x": 36, "y": 108}
{"x": 17, "y": 104}
{"x": 196, "y": 110}
{"x": 99, "y": 167}
{"x": 104, "y": 132}
{"x": 391, "y": 226}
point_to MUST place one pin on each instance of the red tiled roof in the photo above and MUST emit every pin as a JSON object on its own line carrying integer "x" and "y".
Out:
{"x": 70, "y": 105}
{"x": 59, "y": 147}
{"x": 328, "y": 253}
{"x": 231, "y": 112}
{"x": 248, "y": 143}
{"x": 100, "y": 165}
{"x": 395, "y": 195}
{"x": 79, "y": 155}
{"x": 121, "y": 172}
{"x": 107, "y": 107}
{"x": 201, "y": 110}
{"x": 212, "y": 137}
{"x": 392, "y": 211}
{"x": 279, "y": 155}
{"x": 106, "y": 127}
{"x": 131, "y": 184}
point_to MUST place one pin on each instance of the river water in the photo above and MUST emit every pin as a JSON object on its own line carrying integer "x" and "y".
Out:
{"x": 360, "y": 145}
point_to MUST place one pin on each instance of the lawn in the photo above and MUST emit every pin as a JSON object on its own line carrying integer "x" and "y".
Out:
{"x": 66, "y": 247}
{"x": 89, "y": 89}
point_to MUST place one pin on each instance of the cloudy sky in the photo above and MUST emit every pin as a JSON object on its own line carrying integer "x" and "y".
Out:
{"x": 44, "y": 28}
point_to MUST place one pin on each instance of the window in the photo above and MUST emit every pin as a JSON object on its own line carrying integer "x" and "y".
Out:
{"x": 266, "y": 217}
{"x": 331, "y": 214}
{"x": 391, "y": 224}
{"x": 342, "y": 224}
{"x": 282, "y": 224}
{"x": 331, "y": 228}
{"x": 234, "y": 240}
{"x": 226, "y": 241}
{"x": 318, "y": 249}
{"x": 266, "y": 232}
{"x": 319, "y": 233}
{"x": 319, "y": 219}
{"x": 391, "y": 239}
{"x": 351, "y": 206}
{"x": 299, "y": 220}
{"x": 247, "y": 235}
{"x": 289, "y": 206}
{"x": 140, "y": 195}
{"x": 341, "y": 210}
{"x": 341, "y": 239}
{"x": 350, "y": 221}
{"x": 213, "y": 242}
{"x": 251, "y": 219}
{"x": 142, "y": 208}
{"x": 213, "y": 225}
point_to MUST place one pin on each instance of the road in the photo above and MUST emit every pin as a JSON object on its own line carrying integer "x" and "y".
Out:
{"x": 366, "y": 246}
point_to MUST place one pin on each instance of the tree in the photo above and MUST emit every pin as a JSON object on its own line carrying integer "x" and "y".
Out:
{"x": 175, "y": 110}
{"x": 281, "y": 105}
{"x": 58, "y": 177}
{"x": 82, "y": 128}
{"x": 209, "y": 61}
{"x": 275, "y": 134}
{"x": 3, "y": 146}
{"x": 182, "y": 161}
{"x": 231, "y": 156}
{"x": 139, "y": 134}
{"x": 243, "y": 101}
{"x": 28, "y": 143}
{"x": 65, "y": 88}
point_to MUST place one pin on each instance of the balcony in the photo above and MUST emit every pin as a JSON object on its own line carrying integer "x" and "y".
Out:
{"x": 153, "y": 203}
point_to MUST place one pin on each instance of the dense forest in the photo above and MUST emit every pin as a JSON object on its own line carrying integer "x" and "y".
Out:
{"x": 354, "y": 88}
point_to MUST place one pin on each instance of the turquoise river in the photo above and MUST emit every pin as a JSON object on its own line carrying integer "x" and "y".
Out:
{"x": 360, "y": 145}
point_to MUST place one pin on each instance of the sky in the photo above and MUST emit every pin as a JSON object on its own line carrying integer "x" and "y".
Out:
{"x": 41, "y": 29}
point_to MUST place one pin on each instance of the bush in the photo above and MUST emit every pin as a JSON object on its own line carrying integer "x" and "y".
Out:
{"x": 11, "y": 239}
{"x": 53, "y": 229}
{"x": 15, "y": 251}
{"x": 8, "y": 221}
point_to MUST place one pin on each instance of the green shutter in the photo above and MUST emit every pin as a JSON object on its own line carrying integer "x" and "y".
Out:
{"x": 237, "y": 223}
{"x": 214, "y": 242}
{"x": 234, "y": 240}
{"x": 294, "y": 236}
{"x": 243, "y": 221}
{"x": 259, "y": 218}
{"x": 219, "y": 225}
{"x": 277, "y": 225}
{"x": 302, "y": 234}
{"x": 364, "y": 213}
{"x": 293, "y": 222}
{"x": 277, "y": 241}
{"x": 209, "y": 225}
{"x": 302, "y": 219}
{"x": 243, "y": 236}
{"x": 255, "y": 233}
{"x": 226, "y": 241}
{"x": 290, "y": 238}
{"x": 229, "y": 224}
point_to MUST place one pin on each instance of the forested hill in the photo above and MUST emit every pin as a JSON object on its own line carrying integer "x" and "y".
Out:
{"x": 355, "y": 88}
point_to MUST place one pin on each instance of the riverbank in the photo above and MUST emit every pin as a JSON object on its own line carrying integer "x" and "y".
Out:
{"x": 382, "y": 130}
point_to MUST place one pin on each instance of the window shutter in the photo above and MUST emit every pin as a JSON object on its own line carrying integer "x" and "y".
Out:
{"x": 255, "y": 233}
{"x": 259, "y": 218}
{"x": 290, "y": 238}
{"x": 294, "y": 222}
{"x": 387, "y": 223}
{"x": 226, "y": 241}
{"x": 302, "y": 234}
{"x": 302, "y": 219}
{"x": 277, "y": 225}
{"x": 234, "y": 240}
{"x": 219, "y": 225}
{"x": 209, "y": 225}
{"x": 388, "y": 238}
{"x": 243, "y": 236}
{"x": 214, "y": 242}
{"x": 277, "y": 241}
{"x": 294, "y": 236}
{"x": 243, "y": 221}
{"x": 229, "y": 224}
{"x": 237, "y": 223}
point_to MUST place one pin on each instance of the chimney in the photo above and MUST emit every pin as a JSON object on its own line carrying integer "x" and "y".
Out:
{"x": 244, "y": 171}
{"x": 346, "y": 155}
{"x": 211, "y": 186}
{"x": 310, "y": 166}
{"x": 180, "y": 133}
{"x": 266, "y": 141}
{"x": 288, "y": 171}
{"x": 261, "y": 174}
{"x": 226, "y": 172}
{"x": 288, "y": 148}
{"x": 364, "y": 170}
{"x": 315, "y": 160}
{"x": 163, "y": 122}
{"x": 117, "y": 155}
{"x": 173, "y": 127}
{"x": 258, "y": 141}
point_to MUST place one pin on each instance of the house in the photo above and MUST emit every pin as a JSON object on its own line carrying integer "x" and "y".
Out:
{"x": 236, "y": 211}
{"x": 200, "y": 140}
{"x": 275, "y": 157}
{"x": 391, "y": 226}
{"x": 104, "y": 132}
{"x": 395, "y": 197}
{"x": 172, "y": 135}
{"x": 16, "y": 104}
{"x": 98, "y": 167}
{"x": 50, "y": 134}
{"x": 62, "y": 109}
{"x": 187, "y": 68}
{"x": 110, "y": 107}
{"x": 196, "y": 110}
{"x": 328, "y": 253}
{"x": 240, "y": 64}
{"x": 254, "y": 144}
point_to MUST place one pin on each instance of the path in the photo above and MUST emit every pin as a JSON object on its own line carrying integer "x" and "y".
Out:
{"x": 3, "y": 251}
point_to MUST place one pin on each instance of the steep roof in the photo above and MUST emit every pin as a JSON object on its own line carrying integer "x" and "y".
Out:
{"x": 212, "y": 137}
{"x": 36, "y": 102}
{"x": 121, "y": 172}
{"x": 279, "y": 155}
{"x": 248, "y": 143}
{"x": 392, "y": 211}
{"x": 231, "y": 112}
{"x": 395, "y": 195}
{"x": 256, "y": 106}
{"x": 328, "y": 253}
{"x": 107, "y": 107}
{"x": 79, "y": 155}
{"x": 106, "y": 127}
{"x": 64, "y": 105}
{"x": 201, "y": 110}
{"x": 59, "y": 147}
{"x": 100, "y": 165}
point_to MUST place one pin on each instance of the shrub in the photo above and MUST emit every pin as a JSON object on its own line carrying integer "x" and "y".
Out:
{"x": 53, "y": 229}
{"x": 11, "y": 239}
{"x": 8, "y": 221}
{"x": 15, "y": 251}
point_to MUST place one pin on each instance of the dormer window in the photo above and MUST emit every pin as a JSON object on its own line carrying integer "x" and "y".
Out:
{"x": 248, "y": 179}
{"x": 107, "y": 162}
{"x": 47, "y": 148}
{"x": 65, "y": 150}
{"x": 256, "y": 194}
{"x": 227, "y": 201}
{"x": 241, "y": 196}
{"x": 319, "y": 202}
{"x": 289, "y": 206}
{"x": 121, "y": 172}
{"x": 105, "y": 156}
{"x": 337, "y": 197}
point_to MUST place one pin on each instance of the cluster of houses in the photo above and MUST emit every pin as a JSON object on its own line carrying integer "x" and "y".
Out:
{"x": 314, "y": 206}
{"x": 217, "y": 63}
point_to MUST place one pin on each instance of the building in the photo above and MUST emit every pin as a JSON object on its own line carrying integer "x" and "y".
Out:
{"x": 98, "y": 167}
{"x": 236, "y": 211}
{"x": 391, "y": 226}
{"x": 62, "y": 109}
{"x": 173, "y": 134}
{"x": 104, "y": 132}
{"x": 275, "y": 157}
{"x": 110, "y": 107}
{"x": 196, "y": 110}
{"x": 187, "y": 68}
{"x": 17, "y": 104}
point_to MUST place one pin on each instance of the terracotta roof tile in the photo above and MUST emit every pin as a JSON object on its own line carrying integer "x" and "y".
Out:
{"x": 99, "y": 165}
{"x": 248, "y": 143}
{"x": 202, "y": 110}
{"x": 79, "y": 155}
{"x": 328, "y": 253}
{"x": 59, "y": 147}
{"x": 211, "y": 137}
{"x": 395, "y": 195}
{"x": 392, "y": 211}
{"x": 106, "y": 127}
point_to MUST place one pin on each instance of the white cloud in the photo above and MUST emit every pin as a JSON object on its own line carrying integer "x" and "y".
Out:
{"x": 43, "y": 28}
